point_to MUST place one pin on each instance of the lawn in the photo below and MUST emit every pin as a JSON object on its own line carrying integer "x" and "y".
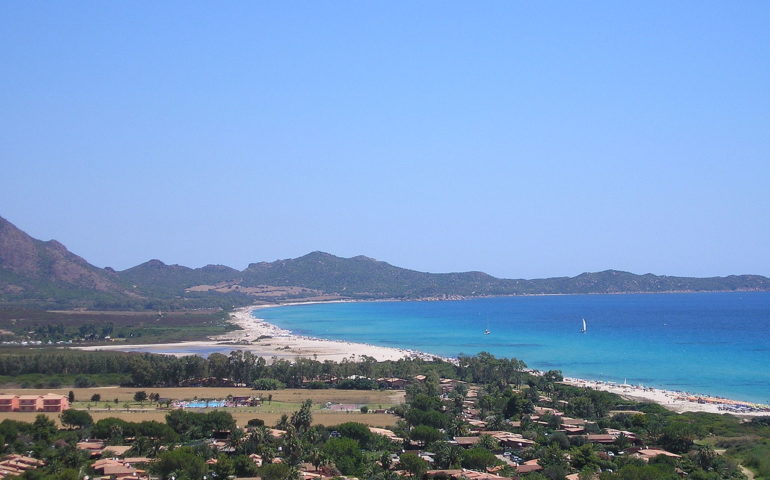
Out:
{"x": 283, "y": 402}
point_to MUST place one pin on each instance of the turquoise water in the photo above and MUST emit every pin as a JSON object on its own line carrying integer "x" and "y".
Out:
{"x": 711, "y": 343}
{"x": 200, "y": 404}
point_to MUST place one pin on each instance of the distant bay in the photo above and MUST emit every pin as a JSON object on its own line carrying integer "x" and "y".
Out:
{"x": 711, "y": 343}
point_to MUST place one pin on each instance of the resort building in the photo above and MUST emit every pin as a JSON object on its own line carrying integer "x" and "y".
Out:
{"x": 9, "y": 403}
{"x": 34, "y": 403}
{"x": 55, "y": 403}
{"x": 30, "y": 403}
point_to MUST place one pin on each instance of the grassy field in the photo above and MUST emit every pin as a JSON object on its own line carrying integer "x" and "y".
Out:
{"x": 90, "y": 327}
{"x": 241, "y": 417}
{"x": 284, "y": 402}
{"x": 373, "y": 398}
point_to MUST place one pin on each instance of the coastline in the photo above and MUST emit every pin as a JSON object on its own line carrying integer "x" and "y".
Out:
{"x": 267, "y": 340}
{"x": 678, "y": 402}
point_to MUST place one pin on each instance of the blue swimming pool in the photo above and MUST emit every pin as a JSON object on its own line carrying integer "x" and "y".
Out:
{"x": 203, "y": 404}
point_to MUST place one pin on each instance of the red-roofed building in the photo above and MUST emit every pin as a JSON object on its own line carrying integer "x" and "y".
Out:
{"x": 9, "y": 403}
{"x": 55, "y": 403}
{"x": 30, "y": 403}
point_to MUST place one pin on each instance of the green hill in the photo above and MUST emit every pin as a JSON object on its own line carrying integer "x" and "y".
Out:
{"x": 41, "y": 274}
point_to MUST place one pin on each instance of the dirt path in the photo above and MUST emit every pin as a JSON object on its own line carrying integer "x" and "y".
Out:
{"x": 749, "y": 474}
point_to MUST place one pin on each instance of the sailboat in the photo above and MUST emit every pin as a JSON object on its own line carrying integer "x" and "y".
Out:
{"x": 486, "y": 330}
{"x": 584, "y": 328}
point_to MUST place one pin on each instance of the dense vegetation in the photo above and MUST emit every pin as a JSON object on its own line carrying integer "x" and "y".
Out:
{"x": 57, "y": 327}
{"x": 710, "y": 446}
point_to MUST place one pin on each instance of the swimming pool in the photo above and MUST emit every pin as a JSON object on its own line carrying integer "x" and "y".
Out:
{"x": 202, "y": 404}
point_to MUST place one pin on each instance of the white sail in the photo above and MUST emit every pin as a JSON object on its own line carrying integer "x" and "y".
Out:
{"x": 585, "y": 327}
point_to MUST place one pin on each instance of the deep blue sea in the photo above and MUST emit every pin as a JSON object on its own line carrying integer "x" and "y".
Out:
{"x": 711, "y": 343}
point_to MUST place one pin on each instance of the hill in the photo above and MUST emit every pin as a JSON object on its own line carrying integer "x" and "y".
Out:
{"x": 42, "y": 274}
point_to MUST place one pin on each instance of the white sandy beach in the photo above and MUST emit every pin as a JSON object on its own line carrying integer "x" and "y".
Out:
{"x": 674, "y": 401}
{"x": 279, "y": 343}
{"x": 283, "y": 344}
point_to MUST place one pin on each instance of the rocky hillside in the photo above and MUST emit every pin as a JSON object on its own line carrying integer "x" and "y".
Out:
{"x": 46, "y": 274}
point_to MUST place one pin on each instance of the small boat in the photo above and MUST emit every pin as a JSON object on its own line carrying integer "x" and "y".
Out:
{"x": 584, "y": 328}
{"x": 486, "y": 331}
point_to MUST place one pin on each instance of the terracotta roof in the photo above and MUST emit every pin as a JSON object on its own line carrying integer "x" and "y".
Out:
{"x": 654, "y": 452}
{"x": 467, "y": 440}
{"x": 526, "y": 468}
{"x": 118, "y": 450}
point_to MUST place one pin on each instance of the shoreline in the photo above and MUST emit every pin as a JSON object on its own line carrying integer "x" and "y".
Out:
{"x": 267, "y": 340}
{"x": 675, "y": 401}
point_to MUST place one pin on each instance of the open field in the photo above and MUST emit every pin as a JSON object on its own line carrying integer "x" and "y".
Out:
{"x": 241, "y": 416}
{"x": 288, "y": 395}
{"x": 284, "y": 402}
{"x": 91, "y": 327}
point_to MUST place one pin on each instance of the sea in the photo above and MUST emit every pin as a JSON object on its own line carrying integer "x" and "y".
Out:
{"x": 707, "y": 343}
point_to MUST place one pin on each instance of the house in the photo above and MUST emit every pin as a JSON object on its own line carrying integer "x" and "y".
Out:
{"x": 510, "y": 440}
{"x": 386, "y": 433}
{"x": 14, "y": 465}
{"x": 49, "y": 402}
{"x": 9, "y": 403}
{"x": 94, "y": 448}
{"x": 603, "y": 438}
{"x": 466, "y": 442}
{"x": 55, "y": 403}
{"x": 118, "y": 470}
{"x": 463, "y": 473}
{"x": 477, "y": 424}
{"x": 647, "y": 454}
{"x": 30, "y": 403}
{"x": 528, "y": 466}
{"x": 116, "y": 450}
{"x": 392, "y": 382}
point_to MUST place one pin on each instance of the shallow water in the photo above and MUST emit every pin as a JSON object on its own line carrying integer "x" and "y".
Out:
{"x": 713, "y": 343}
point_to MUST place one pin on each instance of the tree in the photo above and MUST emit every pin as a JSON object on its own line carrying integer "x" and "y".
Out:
{"x": 677, "y": 437}
{"x": 346, "y": 454}
{"x": 96, "y": 397}
{"x": 43, "y": 428}
{"x": 181, "y": 461}
{"x": 224, "y": 466}
{"x": 302, "y": 418}
{"x": 425, "y": 434}
{"x": 705, "y": 457}
{"x": 518, "y": 405}
{"x": 446, "y": 454}
{"x": 140, "y": 396}
{"x": 413, "y": 464}
{"x": 267, "y": 384}
{"x": 76, "y": 418}
{"x": 488, "y": 442}
{"x": 71, "y": 396}
{"x": 478, "y": 458}
{"x": 244, "y": 466}
{"x": 277, "y": 471}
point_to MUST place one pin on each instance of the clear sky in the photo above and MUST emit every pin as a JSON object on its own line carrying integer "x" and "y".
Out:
{"x": 524, "y": 139}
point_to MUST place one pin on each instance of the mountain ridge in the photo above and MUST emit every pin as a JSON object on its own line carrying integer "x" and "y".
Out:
{"x": 46, "y": 274}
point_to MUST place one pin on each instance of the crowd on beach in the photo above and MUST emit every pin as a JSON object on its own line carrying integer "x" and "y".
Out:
{"x": 675, "y": 400}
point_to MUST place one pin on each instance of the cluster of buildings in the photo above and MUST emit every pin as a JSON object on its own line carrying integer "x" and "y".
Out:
{"x": 49, "y": 402}
{"x": 15, "y": 465}
{"x": 513, "y": 442}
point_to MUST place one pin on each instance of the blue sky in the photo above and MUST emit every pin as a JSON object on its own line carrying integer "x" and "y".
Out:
{"x": 524, "y": 139}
